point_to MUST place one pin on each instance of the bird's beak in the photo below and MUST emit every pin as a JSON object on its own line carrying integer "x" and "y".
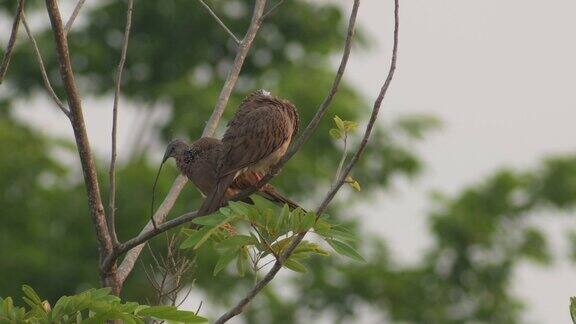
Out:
{"x": 166, "y": 156}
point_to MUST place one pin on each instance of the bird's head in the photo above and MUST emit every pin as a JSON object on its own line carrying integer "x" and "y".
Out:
{"x": 174, "y": 148}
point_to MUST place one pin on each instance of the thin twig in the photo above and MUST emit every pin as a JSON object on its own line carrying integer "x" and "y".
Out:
{"x": 11, "y": 40}
{"x": 234, "y": 72}
{"x": 295, "y": 147}
{"x": 332, "y": 192}
{"x": 186, "y": 297}
{"x": 112, "y": 171}
{"x": 265, "y": 264}
{"x": 265, "y": 241}
{"x": 148, "y": 231}
{"x": 199, "y": 307}
{"x": 108, "y": 276}
{"x": 342, "y": 160}
{"x": 272, "y": 10}
{"x": 73, "y": 16}
{"x": 220, "y": 22}
{"x": 40, "y": 61}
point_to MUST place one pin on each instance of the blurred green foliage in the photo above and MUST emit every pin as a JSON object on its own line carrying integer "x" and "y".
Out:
{"x": 92, "y": 306}
{"x": 177, "y": 61}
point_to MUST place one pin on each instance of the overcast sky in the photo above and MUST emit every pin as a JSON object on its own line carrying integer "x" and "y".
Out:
{"x": 500, "y": 74}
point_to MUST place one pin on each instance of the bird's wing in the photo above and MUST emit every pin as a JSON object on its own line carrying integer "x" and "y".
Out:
{"x": 253, "y": 135}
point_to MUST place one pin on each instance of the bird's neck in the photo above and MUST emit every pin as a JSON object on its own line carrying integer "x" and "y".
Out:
{"x": 181, "y": 162}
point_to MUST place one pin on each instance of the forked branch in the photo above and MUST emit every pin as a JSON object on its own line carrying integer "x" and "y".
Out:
{"x": 136, "y": 244}
{"x": 234, "y": 72}
{"x": 112, "y": 170}
{"x": 131, "y": 256}
{"x": 74, "y": 15}
{"x": 313, "y": 124}
{"x": 332, "y": 192}
{"x": 40, "y": 61}
{"x": 220, "y": 22}
{"x": 77, "y": 120}
{"x": 12, "y": 40}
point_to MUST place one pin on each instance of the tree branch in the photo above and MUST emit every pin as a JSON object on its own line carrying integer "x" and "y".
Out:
{"x": 139, "y": 241}
{"x": 11, "y": 40}
{"x": 73, "y": 16}
{"x": 77, "y": 120}
{"x": 234, "y": 72}
{"x": 220, "y": 22}
{"x": 40, "y": 61}
{"x": 112, "y": 171}
{"x": 332, "y": 192}
{"x": 131, "y": 256}
{"x": 272, "y": 10}
{"x": 295, "y": 147}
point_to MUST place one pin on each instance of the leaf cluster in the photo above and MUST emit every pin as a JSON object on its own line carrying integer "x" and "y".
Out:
{"x": 91, "y": 306}
{"x": 249, "y": 233}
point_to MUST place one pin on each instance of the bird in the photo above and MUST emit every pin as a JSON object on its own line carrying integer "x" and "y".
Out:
{"x": 199, "y": 161}
{"x": 257, "y": 137}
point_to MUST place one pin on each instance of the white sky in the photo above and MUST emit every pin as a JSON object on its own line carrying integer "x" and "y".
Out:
{"x": 499, "y": 74}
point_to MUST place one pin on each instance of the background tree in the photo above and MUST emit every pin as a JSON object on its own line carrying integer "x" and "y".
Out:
{"x": 467, "y": 268}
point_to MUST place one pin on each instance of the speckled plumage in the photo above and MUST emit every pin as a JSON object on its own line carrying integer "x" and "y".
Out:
{"x": 199, "y": 162}
{"x": 257, "y": 137}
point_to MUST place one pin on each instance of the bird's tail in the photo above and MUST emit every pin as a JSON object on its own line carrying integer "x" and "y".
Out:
{"x": 270, "y": 193}
{"x": 216, "y": 198}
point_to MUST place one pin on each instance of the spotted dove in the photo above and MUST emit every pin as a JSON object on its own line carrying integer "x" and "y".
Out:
{"x": 257, "y": 137}
{"x": 199, "y": 161}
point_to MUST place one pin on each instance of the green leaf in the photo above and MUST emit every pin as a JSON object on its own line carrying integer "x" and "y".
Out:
{"x": 278, "y": 246}
{"x": 241, "y": 209}
{"x": 306, "y": 247}
{"x": 224, "y": 260}
{"x": 282, "y": 220}
{"x": 28, "y": 291}
{"x": 241, "y": 261}
{"x": 264, "y": 204}
{"x": 335, "y": 133}
{"x": 322, "y": 227}
{"x": 345, "y": 249}
{"x": 194, "y": 238}
{"x": 350, "y": 126}
{"x": 353, "y": 183}
{"x": 339, "y": 123}
{"x": 341, "y": 233}
{"x": 236, "y": 242}
{"x": 295, "y": 266}
{"x": 210, "y": 220}
{"x": 308, "y": 221}
{"x": 172, "y": 314}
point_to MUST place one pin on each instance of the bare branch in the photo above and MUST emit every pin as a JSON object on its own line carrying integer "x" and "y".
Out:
{"x": 112, "y": 171}
{"x": 272, "y": 10}
{"x": 43, "y": 72}
{"x": 73, "y": 16}
{"x": 136, "y": 244}
{"x": 278, "y": 264}
{"x": 230, "y": 82}
{"x": 11, "y": 40}
{"x": 295, "y": 147}
{"x": 220, "y": 22}
{"x": 77, "y": 120}
{"x": 128, "y": 263}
